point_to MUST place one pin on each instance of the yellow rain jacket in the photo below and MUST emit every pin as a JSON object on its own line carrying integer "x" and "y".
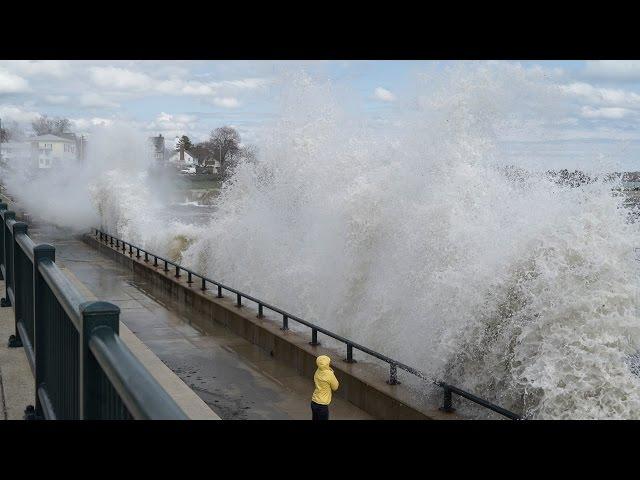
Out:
{"x": 325, "y": 380}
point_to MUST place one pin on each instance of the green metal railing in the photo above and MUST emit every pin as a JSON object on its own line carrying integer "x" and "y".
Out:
{"x": 82, "y": 369}
{"x": 205, "y": 283}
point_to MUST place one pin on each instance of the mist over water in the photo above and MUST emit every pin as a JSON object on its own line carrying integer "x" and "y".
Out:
{"x": 408, "y": 237}
{"x": 67, "y": 195}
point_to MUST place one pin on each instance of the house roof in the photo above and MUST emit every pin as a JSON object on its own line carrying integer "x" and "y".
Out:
{"x": 177, "y": 155}
{"x": 51, "y": 138}
{"x": 199, "y": 154}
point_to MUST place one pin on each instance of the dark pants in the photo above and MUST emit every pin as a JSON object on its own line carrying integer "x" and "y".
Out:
{"x": 319, "y": 412}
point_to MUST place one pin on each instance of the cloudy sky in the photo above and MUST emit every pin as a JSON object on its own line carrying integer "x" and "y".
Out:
{"x": 193, "y": 97}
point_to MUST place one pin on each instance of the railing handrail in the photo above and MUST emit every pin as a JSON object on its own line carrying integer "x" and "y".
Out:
{"x": 149, "y": 400}
{"x": 394, "y": 364}
{"x": 96, "y": 326}
{"x": 26, "y": 244}
{"x": 67, "y": 294}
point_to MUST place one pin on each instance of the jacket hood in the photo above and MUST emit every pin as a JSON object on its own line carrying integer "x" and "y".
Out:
{"x": 323, "y": 362}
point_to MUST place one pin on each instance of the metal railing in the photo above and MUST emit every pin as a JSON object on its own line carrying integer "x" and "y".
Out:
{"x": 168, "y": 265}
{"x": 82, "y": 368}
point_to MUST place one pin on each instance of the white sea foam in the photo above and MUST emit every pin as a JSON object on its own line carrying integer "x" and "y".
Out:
{"x": 416, "y": 244}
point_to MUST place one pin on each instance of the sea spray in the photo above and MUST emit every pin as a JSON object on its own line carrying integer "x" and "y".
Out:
{"x": 412, "y": 240}
{"x": 63, "y": 194}
{"x": 411, "y": 235}
{"x": 127, "y": 208}
{"x": 117, "y": 187}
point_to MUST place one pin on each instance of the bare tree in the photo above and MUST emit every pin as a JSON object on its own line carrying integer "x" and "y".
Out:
{"x": 56, "y": 126}
{"x": 224, "y": 143}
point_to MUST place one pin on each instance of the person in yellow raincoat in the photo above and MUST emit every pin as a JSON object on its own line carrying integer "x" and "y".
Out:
{"x": 326, "y": 383}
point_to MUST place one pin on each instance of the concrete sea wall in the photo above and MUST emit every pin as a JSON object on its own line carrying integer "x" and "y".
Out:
{"x": 362, "y": 383}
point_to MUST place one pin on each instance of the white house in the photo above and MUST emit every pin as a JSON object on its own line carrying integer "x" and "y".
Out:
{"x": 185, "y": 160}
{"x": 182, "y": 158}
{"x": 52, "y": 150}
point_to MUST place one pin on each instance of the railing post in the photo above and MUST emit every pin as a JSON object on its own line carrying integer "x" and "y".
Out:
{"x": 285, "y": 323}
{"x": 177, "y": 271}
{"x": 7, "y": 242}
{"x": 41, "y": 315}
{"x": 260, "y": 314}
{"x": 349, "y": 358}
{"x": 393, "y": 374}
{"x": 238, "y": 300}
{"x": 94, "y": 315}
{"x": 447, "y": 401}
{"x": 314, "y": 338}
{"x": 14, "y": 340}
{"x": 204, "y": 285}
{"x": 219, "y": 291}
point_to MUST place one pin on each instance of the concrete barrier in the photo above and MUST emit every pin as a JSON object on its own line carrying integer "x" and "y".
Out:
{"x": 362, "y": 383}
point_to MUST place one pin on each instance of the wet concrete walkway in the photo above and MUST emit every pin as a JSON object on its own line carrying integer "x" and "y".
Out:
{"x": 17, "y": 386}
{"x": 235, "y": 378}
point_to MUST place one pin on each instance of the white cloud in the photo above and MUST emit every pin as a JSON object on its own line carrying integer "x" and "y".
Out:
{"x": 15, "y": 113}
{"x": 384, "y": 95}
{"x": 194, "y": 87}
{"x": 602, "y": 96}
{"x": 10, "y": 83}
{"x": 95, "y": 100}
{"x": 181, "y": 87}
{"x": 226, "y": 102}
{"x": 87, "y": 123}
{"x": 116, "y": 78}
{"x": 620, "y": 70}
{"x": 52, "y": 68}
{"x": 611, "y": 113}
{"x": 242, "y": 84}
{"x": 171, "y": 125}
{"x": 56, "y": 99}
{"x": 120, "y": 78}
